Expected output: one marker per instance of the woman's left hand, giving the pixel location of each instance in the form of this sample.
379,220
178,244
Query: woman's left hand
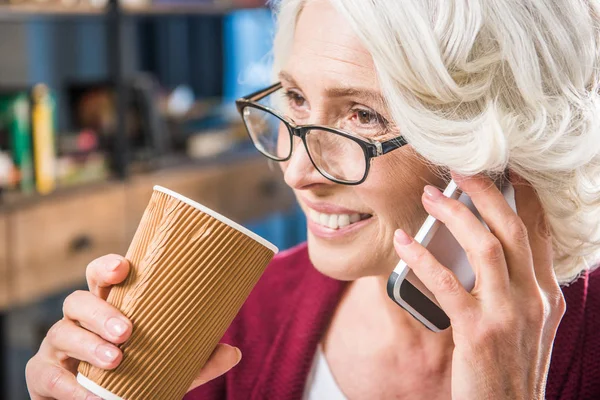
504,329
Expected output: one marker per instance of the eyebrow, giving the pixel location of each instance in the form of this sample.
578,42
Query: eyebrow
338,92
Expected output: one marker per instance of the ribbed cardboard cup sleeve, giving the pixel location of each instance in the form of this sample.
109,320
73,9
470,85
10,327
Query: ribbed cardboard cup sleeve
191,271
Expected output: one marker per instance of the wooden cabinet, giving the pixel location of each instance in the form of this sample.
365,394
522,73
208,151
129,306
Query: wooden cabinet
45,245
53,241
4,277
199,184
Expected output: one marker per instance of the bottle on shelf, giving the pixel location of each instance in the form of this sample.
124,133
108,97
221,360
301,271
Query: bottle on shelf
15,124
44,152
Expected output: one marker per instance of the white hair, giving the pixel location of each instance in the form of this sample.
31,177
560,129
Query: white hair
484,85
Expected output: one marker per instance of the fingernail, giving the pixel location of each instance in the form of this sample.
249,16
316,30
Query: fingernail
116,326
402,238
107,353
113,265
433,193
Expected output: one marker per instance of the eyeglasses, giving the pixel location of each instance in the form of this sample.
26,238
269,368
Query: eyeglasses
340,156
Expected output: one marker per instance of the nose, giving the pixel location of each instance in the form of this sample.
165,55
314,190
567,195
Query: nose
299,172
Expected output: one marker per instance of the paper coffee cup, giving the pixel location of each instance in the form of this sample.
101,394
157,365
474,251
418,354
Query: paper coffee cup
191,271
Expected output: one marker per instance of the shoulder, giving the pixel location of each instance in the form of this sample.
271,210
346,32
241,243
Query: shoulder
279,283
592,315
575,366
590,379
283,271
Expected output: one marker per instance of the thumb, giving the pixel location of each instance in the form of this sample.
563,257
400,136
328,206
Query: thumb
222,359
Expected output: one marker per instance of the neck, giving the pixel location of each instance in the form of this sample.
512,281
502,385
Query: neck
393,319
383,328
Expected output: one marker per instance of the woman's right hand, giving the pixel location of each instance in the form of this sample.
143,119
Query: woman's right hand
89,331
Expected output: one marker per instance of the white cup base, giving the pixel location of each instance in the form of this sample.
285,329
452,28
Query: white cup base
94,388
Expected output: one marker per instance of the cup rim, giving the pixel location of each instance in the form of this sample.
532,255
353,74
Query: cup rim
95,388
219,217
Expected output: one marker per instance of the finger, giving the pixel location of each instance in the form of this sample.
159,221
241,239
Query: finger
483,249
49,381
97,316
223,358
532,214
504,223
445,286
66,340
104,272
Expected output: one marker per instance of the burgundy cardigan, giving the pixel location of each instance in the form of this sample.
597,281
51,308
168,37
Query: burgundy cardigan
281,323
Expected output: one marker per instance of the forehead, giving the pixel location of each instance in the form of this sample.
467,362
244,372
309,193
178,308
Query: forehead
326,52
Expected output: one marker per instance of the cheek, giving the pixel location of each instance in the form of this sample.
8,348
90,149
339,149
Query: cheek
283,142
394,189
283,166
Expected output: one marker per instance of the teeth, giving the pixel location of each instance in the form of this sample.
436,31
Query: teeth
344,220
314,216
333,221
324,219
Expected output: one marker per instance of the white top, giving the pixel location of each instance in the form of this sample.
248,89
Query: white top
218,216
321,384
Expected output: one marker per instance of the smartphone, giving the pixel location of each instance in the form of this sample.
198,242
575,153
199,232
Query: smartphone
406,290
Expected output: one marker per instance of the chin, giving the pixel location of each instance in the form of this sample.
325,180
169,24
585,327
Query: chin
348,261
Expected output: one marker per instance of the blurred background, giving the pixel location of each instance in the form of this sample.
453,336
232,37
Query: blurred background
99,101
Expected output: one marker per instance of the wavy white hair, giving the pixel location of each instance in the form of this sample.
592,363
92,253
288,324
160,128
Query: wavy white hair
485,85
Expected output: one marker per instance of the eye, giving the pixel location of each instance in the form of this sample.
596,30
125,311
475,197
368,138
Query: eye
295,99
367,117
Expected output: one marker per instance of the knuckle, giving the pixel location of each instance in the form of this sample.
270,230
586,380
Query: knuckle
94,269
560,304
30,370
457,209
93,266
517,230
54,378
446,281
543,228
97,313
491,249
557,306
419,255
72,300
56,331
535,312
101,261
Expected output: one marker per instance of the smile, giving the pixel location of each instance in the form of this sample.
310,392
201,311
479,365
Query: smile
335,221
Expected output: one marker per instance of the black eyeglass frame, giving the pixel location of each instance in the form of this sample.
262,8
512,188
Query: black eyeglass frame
371,148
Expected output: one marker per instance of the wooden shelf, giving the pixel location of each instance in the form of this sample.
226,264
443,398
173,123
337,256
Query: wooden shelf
20,11
177,9
16,11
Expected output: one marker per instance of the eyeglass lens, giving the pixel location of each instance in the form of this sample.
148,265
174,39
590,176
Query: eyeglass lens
334,155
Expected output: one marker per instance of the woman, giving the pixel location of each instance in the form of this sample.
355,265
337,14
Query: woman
473,87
